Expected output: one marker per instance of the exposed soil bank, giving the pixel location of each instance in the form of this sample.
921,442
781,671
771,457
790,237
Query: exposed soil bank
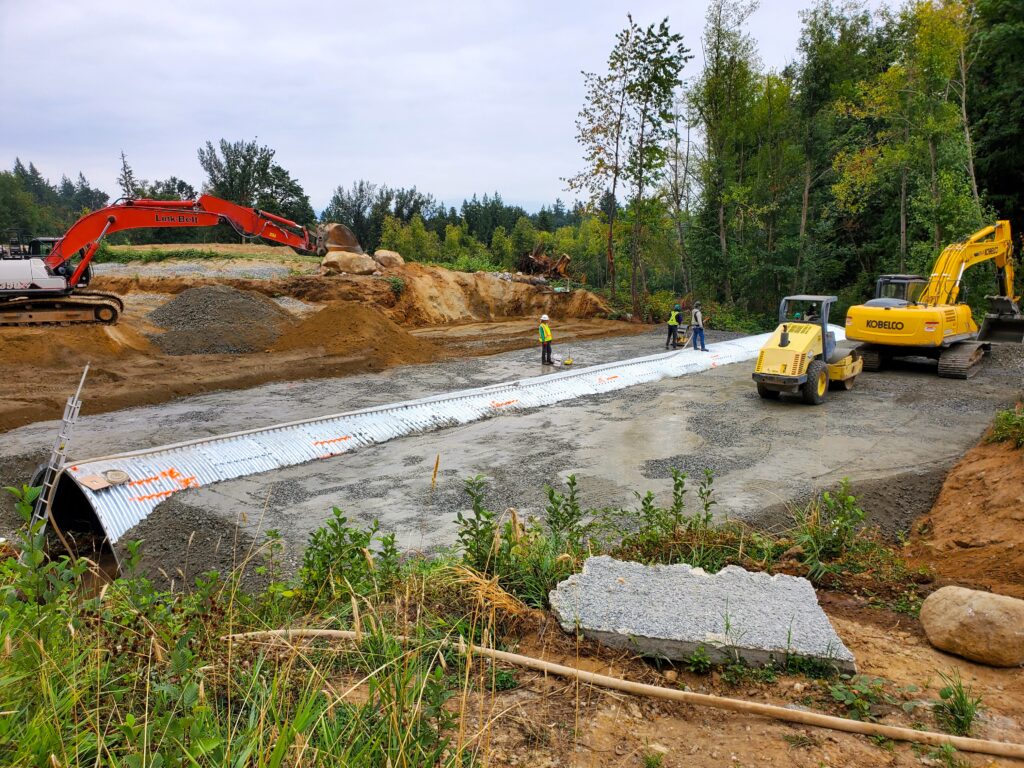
974,534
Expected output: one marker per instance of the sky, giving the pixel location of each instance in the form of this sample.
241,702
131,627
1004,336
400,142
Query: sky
454,98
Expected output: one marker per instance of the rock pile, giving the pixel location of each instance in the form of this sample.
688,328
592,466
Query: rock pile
218,319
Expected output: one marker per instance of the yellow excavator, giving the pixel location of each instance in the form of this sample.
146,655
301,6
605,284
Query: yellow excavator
913,316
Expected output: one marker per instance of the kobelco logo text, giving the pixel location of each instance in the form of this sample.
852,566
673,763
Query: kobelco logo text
888,325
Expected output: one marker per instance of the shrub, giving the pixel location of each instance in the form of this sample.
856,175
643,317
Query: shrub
1009,427
826,528
341,561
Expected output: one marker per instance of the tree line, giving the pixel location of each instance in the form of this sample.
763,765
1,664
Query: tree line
892,133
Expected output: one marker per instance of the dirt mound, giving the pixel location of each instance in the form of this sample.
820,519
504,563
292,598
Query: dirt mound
436,296
70,346
218,319
345,328
974,535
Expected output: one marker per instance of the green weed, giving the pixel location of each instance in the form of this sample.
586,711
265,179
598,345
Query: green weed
1009,427
956,708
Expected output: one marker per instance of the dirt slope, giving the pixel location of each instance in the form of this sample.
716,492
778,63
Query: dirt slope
974,535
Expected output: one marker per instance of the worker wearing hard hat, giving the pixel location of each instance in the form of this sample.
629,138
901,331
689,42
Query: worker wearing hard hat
673,328
545,341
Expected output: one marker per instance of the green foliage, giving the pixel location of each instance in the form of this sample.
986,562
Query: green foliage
858,694
699,662
341,561
653,759
827,528
530,559
1008,427
947,756
956,708
397,285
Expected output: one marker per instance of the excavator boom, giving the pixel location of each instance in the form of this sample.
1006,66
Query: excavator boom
48,290
932,323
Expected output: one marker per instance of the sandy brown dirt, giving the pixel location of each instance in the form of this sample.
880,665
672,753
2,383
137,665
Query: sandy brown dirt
974,535
550,721
366,329
346,328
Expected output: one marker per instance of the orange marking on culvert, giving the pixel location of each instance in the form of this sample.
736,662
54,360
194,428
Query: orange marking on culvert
606,379
496,404
333,440
183,483
170,474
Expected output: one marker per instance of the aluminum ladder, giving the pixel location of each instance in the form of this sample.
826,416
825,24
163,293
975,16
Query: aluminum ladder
58,456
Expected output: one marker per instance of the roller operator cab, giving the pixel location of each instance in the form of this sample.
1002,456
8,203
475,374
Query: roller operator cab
802,356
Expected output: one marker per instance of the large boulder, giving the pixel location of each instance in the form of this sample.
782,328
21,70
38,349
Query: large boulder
675,611
388,259
351,263
979,626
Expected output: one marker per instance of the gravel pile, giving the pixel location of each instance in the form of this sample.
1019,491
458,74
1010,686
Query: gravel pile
217,319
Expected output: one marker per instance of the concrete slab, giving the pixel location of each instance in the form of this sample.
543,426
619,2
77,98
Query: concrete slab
671,611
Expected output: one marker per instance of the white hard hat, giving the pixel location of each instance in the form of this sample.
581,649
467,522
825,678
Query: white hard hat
543,318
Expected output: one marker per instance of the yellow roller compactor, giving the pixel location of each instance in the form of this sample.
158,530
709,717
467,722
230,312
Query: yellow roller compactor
913,316
802,356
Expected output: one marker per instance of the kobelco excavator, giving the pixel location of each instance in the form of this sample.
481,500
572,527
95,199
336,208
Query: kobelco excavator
913,316
38,288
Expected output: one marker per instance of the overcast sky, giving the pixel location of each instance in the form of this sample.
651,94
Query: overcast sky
453,97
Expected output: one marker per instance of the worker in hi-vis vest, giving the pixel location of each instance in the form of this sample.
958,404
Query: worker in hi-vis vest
545,341
673,328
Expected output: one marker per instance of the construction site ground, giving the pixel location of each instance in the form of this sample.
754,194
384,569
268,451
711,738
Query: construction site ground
897,437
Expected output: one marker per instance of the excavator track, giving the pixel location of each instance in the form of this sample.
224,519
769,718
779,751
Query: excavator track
961,361
872,357
81,308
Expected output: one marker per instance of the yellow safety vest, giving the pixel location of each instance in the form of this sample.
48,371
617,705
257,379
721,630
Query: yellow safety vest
673,319
545,332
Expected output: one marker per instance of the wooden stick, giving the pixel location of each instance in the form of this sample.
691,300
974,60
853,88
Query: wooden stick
896,733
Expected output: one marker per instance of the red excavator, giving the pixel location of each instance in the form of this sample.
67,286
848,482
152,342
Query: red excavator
49,289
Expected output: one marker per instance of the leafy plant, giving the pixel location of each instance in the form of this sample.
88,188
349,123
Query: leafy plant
956,708
342,560
699,662
1009,427
858,694
826,528
476,531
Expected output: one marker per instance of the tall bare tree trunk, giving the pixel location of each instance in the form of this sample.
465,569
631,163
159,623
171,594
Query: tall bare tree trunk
903,220
803,224
723,244
967,131
936,195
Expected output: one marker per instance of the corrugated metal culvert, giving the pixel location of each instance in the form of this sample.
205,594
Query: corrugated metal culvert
112,494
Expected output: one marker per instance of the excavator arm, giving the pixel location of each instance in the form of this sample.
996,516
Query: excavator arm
207,211
992,243
50,290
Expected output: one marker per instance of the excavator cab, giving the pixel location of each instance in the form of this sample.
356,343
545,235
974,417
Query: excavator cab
897,290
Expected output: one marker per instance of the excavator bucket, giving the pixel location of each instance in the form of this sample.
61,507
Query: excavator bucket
1004,323
336,237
